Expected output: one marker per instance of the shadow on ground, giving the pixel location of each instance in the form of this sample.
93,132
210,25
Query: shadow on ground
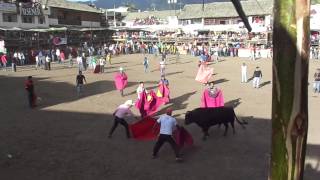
265,83
233,103
174,73
219,81
71,145
65,92
177,103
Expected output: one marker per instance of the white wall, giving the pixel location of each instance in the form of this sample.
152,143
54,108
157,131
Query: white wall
315,17
90,24
53,22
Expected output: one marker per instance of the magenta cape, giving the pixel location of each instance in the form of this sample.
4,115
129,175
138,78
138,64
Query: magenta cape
207,101
148,104
204,73
163,93
120,80
148,129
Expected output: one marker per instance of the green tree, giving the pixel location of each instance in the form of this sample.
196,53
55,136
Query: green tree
315,1
290,88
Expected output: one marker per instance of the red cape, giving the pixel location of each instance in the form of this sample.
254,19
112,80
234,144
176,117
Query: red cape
148,129
182,137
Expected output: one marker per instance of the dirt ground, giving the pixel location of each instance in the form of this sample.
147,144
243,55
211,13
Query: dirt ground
65,137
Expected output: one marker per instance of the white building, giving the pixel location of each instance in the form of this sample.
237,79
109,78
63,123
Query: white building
152,20
222,16
315,17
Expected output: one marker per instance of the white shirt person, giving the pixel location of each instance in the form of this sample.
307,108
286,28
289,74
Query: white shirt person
167,125
244,73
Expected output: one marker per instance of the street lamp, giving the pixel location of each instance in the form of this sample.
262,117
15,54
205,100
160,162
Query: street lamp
174,2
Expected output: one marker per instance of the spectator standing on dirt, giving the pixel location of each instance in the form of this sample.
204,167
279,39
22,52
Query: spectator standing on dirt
317,81
4,61
101,62
30,92
80,81
243,73
162,67
48,63
146,64
257,75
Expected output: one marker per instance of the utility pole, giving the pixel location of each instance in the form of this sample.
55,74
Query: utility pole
202,5
173,2
114,15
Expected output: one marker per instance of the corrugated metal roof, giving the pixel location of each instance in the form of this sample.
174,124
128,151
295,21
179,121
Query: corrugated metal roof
70,5
146,14
226,9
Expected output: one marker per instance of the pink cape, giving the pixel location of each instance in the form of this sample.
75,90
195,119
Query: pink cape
163,93
204,73
148,129
120,80
148,104
207,101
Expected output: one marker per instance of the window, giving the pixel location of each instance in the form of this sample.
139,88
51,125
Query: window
41,19
196,21
209,22
223,22
27,19
9,17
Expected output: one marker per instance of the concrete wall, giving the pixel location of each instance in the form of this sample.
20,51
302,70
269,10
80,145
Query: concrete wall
73,14
90,24
19,23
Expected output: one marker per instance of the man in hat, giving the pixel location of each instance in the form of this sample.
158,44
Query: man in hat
257,75
119,114
167,125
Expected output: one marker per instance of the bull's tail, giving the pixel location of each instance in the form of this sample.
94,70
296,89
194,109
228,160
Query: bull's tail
242,122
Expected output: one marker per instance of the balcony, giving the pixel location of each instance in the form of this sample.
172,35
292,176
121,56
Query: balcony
69,22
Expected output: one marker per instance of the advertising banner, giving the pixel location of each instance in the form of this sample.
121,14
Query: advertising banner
59,41
8,7
31,9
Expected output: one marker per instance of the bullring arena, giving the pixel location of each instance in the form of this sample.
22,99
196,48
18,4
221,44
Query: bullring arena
65,136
